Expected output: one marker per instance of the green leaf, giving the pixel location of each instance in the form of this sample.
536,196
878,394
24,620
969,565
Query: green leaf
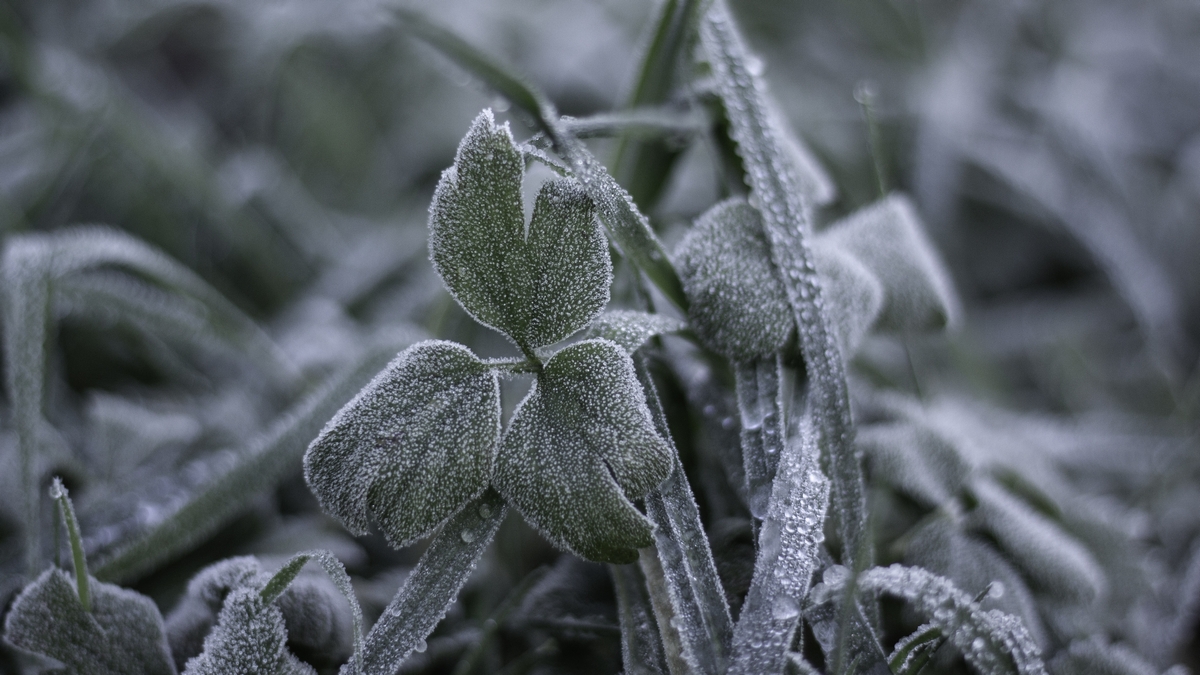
737,302
630,329
537,285
579,448
889,239
249,637
412,447
121,635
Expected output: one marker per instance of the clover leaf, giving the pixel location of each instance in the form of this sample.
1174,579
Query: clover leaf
413,447
579,448
536,284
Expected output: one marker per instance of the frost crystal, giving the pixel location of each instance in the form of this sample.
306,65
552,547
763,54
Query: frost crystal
536,284
630,329
579,447
413,446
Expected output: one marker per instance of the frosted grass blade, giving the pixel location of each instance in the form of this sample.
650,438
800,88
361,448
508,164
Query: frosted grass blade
641,648
697,598
762,387
272,457
431,587
789,544
649,123
775,192
337,574
26,297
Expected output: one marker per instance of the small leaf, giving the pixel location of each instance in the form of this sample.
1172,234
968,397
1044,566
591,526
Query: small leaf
854,296
630,329
121,635
915,460
579,447
537,285
737,302
889,240
413,446
249,638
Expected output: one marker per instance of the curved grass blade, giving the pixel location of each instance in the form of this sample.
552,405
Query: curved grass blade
628,228
701,613
276,454
431,587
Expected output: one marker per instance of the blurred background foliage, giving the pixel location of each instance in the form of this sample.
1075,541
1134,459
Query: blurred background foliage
286,151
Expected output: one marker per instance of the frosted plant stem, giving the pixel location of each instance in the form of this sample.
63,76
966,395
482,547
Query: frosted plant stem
432,586
701,615
789,545
26,296
641,647
664,612
759,395
775,192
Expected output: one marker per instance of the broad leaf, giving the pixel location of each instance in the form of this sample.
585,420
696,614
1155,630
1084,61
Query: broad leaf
888,238
579,448
854,295
250,637
121,635
737,302
412,447
537,285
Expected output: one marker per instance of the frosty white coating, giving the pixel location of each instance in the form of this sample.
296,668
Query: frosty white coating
856,295
121,635
536,284
249,638
578,448
412,447
630,329
737,302
889,239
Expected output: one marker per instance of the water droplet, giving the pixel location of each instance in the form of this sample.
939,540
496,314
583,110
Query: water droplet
485,511
727,423
468,536
977,644
996,590
420,646
500,104
785,608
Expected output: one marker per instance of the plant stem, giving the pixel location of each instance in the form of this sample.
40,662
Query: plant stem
58,492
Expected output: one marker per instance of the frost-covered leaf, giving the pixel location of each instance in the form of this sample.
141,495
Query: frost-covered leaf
915,460
121,635
249,637
737,302
1053,559
991,641
890,241
537,284
630,329
855,295
412,447
579,448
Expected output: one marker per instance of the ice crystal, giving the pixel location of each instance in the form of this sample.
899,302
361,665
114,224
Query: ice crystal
579,448
391,451
538,283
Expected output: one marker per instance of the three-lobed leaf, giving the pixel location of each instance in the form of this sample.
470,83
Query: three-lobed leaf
413,446
579,448
536,284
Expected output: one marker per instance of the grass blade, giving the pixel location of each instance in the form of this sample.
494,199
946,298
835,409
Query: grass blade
697,598
431,587
641,647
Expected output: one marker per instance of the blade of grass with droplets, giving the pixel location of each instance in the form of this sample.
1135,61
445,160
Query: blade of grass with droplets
789,544
701,614
26,297
643,165
760,397
648,123
270,459
432,586
641,648
628,228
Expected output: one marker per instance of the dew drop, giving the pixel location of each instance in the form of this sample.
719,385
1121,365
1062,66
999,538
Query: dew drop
420,646
468,536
